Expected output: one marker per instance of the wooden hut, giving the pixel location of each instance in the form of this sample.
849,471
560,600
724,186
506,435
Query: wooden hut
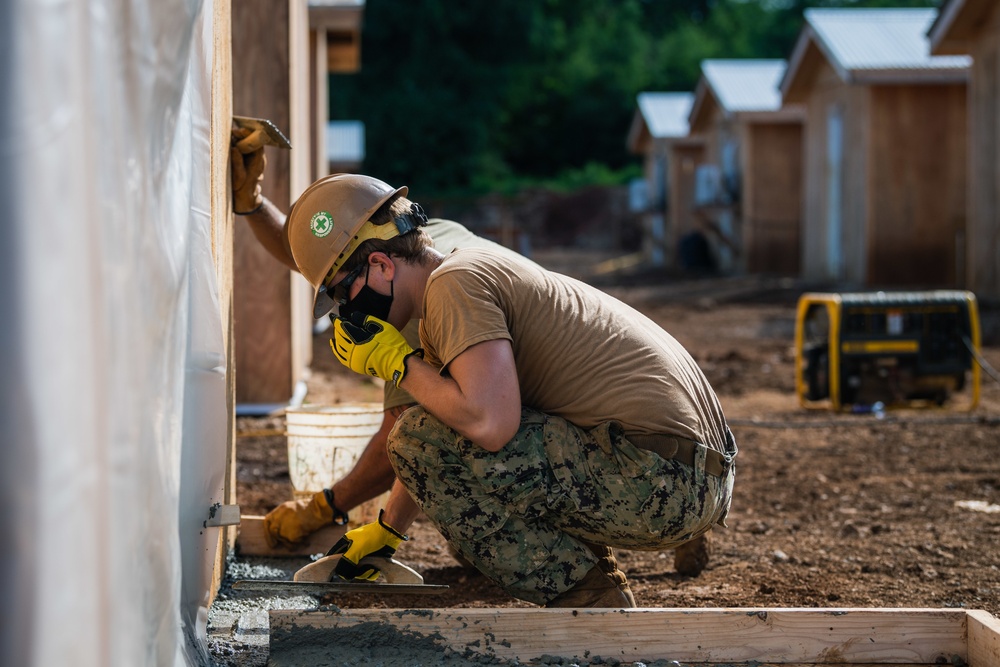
749,194
659,132
885,148
282,53
973,27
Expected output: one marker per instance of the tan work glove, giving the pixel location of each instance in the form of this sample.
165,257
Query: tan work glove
247,173
291,522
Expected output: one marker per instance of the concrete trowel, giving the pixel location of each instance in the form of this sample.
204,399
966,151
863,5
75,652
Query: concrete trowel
262,133
319,577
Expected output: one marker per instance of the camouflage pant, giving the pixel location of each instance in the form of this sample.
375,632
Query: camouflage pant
522,515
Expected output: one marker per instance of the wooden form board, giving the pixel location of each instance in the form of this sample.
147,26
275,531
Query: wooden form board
691,636
984,639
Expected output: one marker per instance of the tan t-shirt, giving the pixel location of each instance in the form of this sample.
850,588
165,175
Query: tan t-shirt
447,236
580,354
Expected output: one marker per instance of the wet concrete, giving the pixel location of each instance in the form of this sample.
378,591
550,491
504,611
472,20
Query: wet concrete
378,644
369,644
239,633
238,627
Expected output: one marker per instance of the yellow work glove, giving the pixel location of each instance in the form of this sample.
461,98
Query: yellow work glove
293,521
369,346
373,539
247,172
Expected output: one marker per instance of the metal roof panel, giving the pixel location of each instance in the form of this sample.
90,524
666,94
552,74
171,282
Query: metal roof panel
745,85
880,39
666,114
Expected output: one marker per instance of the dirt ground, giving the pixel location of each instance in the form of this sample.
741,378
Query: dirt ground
830,510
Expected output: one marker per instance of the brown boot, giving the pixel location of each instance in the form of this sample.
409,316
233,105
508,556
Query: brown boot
595,590
609,566
691,557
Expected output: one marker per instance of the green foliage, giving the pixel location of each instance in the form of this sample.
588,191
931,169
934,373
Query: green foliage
475,96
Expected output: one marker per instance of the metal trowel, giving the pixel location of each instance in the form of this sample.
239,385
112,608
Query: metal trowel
391,570
318,578
262,133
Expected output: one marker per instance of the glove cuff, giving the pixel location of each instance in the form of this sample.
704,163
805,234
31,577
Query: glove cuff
251,212
339,516
392,531
419,352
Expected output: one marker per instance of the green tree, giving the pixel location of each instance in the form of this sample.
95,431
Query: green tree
460,96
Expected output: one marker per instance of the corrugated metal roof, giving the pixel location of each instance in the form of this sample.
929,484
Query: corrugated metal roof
745,85
880,39
345,141
666,114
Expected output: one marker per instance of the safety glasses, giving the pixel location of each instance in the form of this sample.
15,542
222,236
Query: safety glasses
341,289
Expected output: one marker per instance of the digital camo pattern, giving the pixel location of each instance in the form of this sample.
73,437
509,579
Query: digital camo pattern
521,515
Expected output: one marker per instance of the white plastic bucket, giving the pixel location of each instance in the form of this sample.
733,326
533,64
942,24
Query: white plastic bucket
325,441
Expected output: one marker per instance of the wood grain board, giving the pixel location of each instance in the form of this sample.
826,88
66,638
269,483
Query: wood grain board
984,639
772,636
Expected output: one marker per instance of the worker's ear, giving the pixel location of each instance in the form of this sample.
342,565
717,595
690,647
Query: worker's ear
382,262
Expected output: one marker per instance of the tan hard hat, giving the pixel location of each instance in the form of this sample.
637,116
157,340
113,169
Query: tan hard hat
328,222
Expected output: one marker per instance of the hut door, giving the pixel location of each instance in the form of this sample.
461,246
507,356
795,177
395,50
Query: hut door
834,191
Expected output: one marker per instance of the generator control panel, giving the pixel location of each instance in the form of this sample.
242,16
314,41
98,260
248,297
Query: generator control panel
859,349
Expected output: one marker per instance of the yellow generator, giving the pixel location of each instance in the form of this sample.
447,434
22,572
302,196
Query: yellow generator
854,351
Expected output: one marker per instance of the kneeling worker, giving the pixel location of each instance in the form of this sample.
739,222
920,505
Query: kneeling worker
293,521
554,421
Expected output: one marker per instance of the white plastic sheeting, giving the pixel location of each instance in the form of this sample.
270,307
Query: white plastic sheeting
111,348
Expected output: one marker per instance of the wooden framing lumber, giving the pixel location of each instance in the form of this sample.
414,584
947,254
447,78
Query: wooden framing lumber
779,636
222,244
251,542
984,639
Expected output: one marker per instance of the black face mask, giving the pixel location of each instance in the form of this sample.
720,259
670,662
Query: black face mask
368,302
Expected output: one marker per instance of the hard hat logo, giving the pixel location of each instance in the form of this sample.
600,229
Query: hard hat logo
321,224
328,222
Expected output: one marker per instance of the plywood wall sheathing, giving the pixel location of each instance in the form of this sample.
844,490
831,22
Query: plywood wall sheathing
772,197
271,80
984,143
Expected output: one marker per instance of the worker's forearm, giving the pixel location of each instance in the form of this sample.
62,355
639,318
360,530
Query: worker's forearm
443,398
372,474
268,225
400,510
